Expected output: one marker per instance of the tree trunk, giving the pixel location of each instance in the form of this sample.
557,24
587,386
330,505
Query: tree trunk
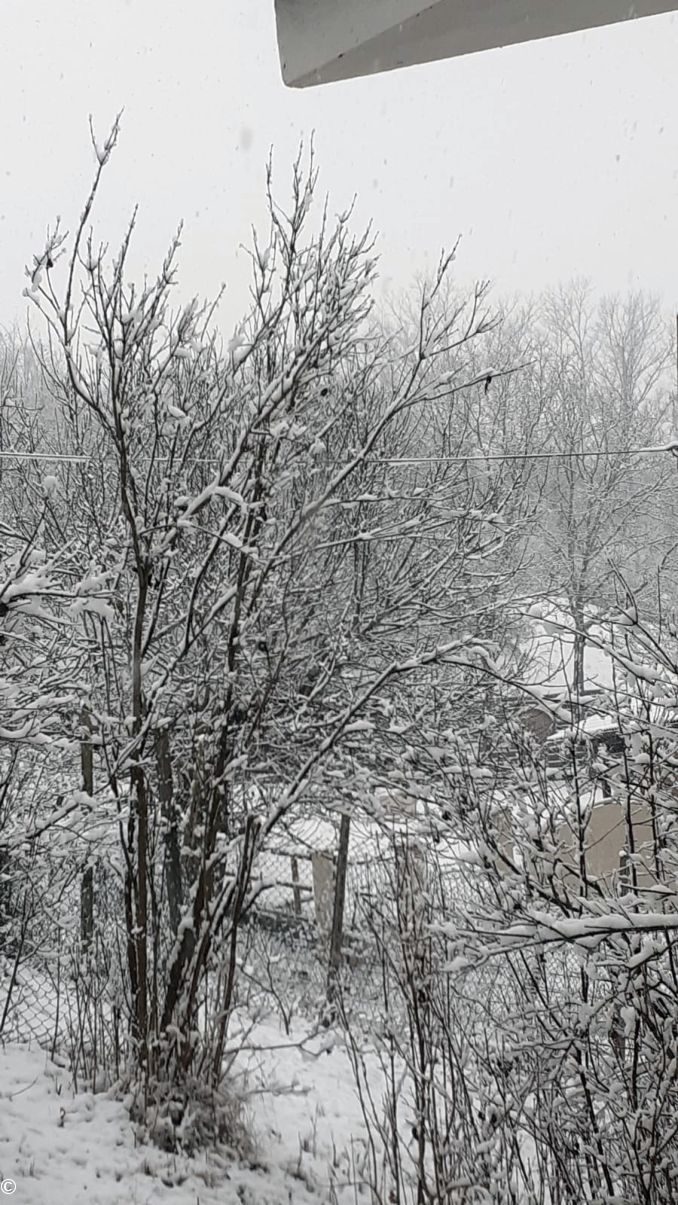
168,808
87,883
138,824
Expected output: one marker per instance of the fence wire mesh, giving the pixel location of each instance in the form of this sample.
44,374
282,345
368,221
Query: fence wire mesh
54,995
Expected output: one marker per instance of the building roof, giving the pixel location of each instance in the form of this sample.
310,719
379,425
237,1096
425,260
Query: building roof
321,41
549,647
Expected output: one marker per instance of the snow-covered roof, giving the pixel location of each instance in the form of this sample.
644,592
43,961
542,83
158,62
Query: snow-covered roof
549,648
368,839
599,722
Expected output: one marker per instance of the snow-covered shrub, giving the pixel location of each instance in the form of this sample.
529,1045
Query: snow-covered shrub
197,1119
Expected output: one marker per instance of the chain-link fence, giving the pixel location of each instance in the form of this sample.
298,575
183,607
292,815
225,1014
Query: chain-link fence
292,940
55,995
53,992
288,946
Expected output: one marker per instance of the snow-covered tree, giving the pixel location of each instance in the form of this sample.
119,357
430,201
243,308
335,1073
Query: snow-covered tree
260,580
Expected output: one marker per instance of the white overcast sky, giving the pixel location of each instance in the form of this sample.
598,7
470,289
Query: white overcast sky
551,160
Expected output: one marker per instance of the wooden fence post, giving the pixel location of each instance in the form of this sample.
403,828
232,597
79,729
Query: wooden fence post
296,893
337,934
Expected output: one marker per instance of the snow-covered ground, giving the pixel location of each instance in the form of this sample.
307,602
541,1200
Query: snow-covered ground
61,1148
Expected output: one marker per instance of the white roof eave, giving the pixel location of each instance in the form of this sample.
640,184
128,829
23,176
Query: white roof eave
324,41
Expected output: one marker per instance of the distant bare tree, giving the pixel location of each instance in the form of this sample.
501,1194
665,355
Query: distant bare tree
602,389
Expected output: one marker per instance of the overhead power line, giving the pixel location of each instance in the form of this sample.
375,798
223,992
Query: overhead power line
47,456
661,450
480,457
